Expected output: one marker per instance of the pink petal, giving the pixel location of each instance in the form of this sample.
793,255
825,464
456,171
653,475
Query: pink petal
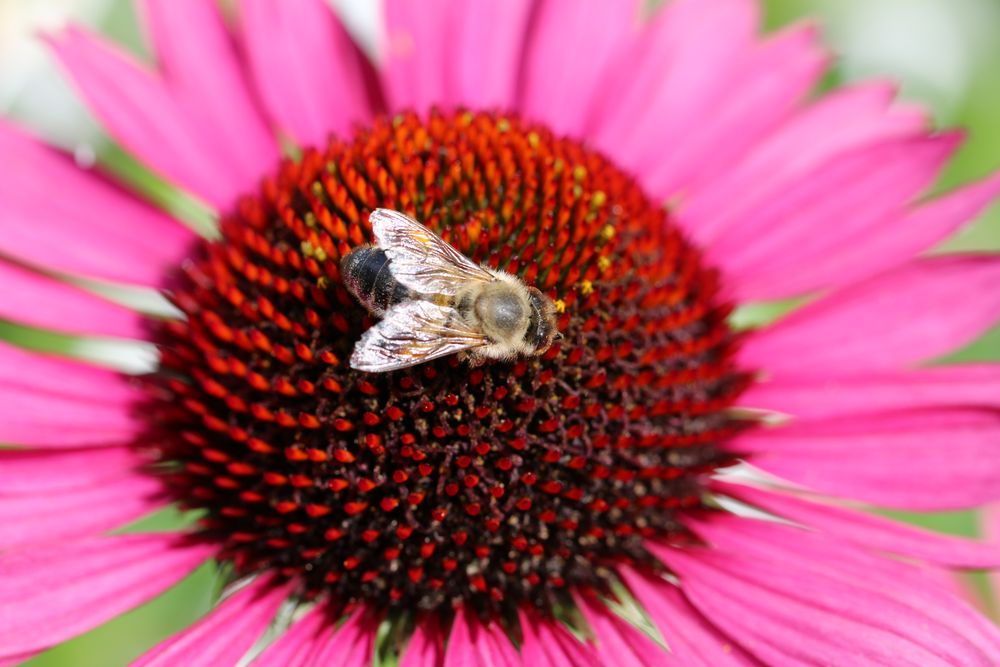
472,643
922,460
49,594
34,415
28,472
417,44
298,646
143,113
619,642
817,398
673,78
560,83
39,301
484,53
55,516
890,243
919,311
839,123
771,79
201,66
36,372
868,530
13,660
103,231
691,637
353,644
547,643
795,597
830,209
426,646
226,634
308,72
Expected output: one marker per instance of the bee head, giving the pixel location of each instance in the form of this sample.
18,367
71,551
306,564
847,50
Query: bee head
542,324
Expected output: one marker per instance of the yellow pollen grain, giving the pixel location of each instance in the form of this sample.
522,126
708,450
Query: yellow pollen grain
503,125
557,165
307,248
608,232
310,220
579,172
560,305
586,287
598,199
603,263
533,139
320,255
322,282
466,119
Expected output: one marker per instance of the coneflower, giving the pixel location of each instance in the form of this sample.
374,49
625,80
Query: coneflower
592,505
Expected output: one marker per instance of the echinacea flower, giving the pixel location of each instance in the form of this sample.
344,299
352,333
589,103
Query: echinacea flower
650,174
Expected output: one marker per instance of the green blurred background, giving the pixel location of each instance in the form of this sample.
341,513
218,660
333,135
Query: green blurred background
946,54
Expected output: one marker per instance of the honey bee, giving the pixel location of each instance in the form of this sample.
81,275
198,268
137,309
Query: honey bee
433,301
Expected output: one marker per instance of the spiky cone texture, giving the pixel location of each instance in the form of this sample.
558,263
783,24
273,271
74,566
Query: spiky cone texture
485,512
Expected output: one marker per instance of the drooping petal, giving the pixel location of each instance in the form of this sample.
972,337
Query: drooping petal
36,300
668,83
353,644
832,208
565,55
691,637
40,420
143,113
92,228
53,471
890,243
36,372
57,516
818,397
796,597
619,642
919,311
225,635
837,124
307,71
199,62
868,530
50,402
426,646
474,643
49,594
298,646
921,460
546,643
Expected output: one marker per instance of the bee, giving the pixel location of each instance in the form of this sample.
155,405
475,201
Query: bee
434,301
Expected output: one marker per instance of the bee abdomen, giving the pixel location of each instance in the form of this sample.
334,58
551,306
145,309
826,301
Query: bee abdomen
367,276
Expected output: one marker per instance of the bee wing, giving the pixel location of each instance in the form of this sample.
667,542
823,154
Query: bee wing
421,260
411,333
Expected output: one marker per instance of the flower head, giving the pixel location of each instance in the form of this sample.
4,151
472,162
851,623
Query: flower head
510,511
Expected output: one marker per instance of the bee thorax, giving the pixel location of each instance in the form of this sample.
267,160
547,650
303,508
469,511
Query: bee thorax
503,314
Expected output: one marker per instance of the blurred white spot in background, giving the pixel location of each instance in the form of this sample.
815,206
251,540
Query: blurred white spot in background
931,45
32,90
363,20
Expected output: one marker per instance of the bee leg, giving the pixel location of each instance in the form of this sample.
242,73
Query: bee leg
472,359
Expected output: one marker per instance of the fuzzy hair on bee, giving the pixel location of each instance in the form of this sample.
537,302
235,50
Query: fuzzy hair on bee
433,301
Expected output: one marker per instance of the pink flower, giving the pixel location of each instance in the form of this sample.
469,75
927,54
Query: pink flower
485,512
